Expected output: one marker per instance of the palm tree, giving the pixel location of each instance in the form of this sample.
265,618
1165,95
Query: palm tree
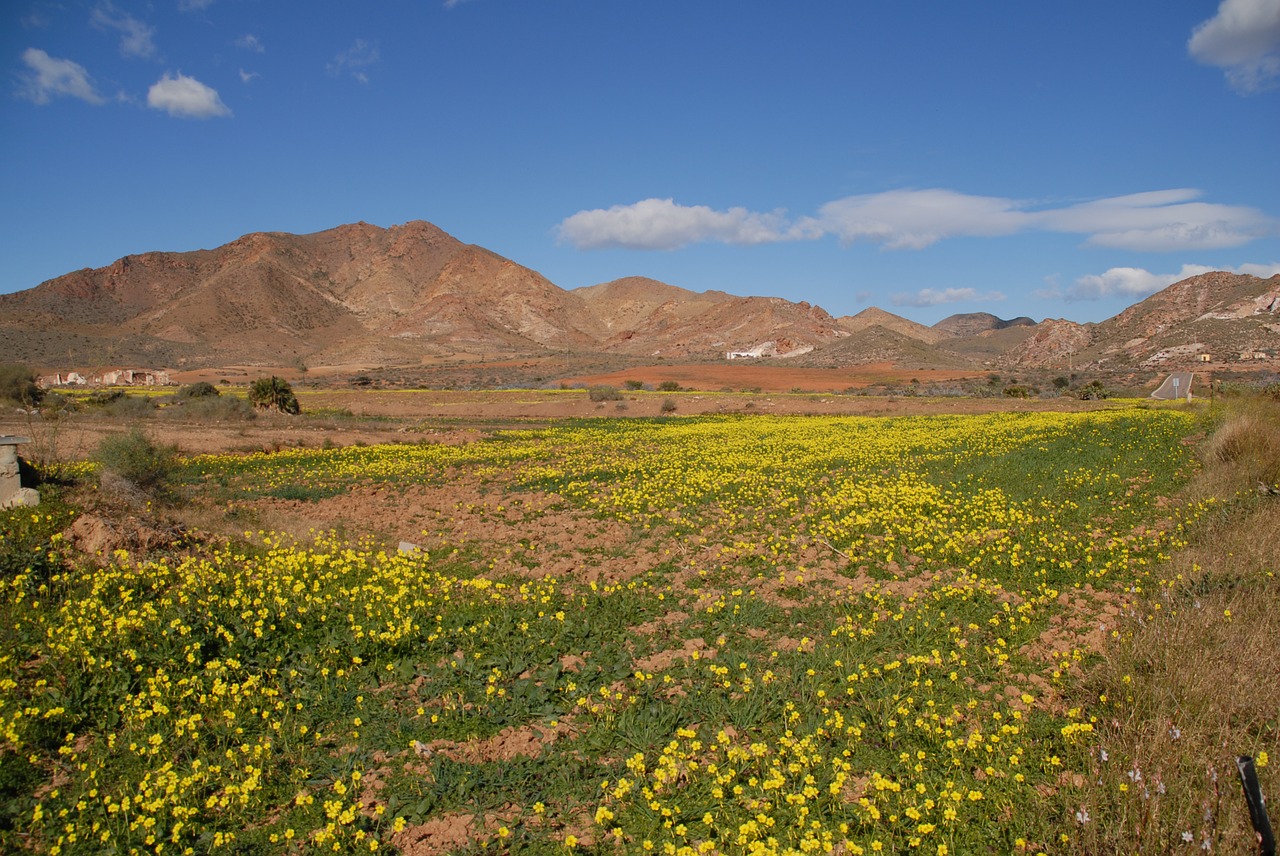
274,393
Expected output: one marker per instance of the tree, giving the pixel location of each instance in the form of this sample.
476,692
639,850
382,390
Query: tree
199,389
18,383
274,393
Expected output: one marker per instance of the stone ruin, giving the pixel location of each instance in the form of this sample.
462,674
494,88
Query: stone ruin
12,493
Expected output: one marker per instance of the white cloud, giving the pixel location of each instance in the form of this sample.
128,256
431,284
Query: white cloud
194,5
1244,39
186,98
355,59
1261,271
1159,221
248,76
250,42
661,224
914,219
1131,282
934,297
50,77
136,38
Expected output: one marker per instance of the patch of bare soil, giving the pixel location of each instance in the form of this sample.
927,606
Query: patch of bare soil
664,660
508,744
1086,622
101,536
438,835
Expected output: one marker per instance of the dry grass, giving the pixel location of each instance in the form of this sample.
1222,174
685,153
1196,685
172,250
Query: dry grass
1193,680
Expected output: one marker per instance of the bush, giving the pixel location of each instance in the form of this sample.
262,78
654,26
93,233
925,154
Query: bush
223,407
634,384
668,386
668,405
199,389
131,406
604,393
1248,439
18,383
1093,391
274,393
138,459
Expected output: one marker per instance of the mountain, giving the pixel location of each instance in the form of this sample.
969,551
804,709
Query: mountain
645,317
976,323
355,292
1228,317
361,296
877,344
873,317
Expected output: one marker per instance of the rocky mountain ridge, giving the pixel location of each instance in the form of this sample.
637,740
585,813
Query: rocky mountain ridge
360,295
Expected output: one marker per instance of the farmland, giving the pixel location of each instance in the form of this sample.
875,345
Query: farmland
711,634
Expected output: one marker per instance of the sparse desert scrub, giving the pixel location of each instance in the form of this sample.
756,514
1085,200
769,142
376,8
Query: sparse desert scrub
1188,684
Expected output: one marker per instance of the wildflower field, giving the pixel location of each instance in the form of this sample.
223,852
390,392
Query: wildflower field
756,635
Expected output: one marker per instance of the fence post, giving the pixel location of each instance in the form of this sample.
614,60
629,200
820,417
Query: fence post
1257,806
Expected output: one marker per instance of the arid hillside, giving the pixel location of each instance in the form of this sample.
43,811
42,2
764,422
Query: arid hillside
360,297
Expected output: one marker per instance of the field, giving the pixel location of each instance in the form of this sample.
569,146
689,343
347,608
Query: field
734,633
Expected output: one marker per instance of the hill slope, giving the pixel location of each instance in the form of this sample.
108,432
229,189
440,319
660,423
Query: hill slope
361,295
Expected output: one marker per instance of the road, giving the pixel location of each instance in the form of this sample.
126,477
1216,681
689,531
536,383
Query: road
1176,385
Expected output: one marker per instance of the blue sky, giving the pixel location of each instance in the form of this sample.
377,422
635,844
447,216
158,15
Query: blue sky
1041,159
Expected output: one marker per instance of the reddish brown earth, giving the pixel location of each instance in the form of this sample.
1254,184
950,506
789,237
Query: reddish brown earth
751,375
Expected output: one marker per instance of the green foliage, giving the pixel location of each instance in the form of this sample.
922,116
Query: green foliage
1016,391
217,408
668,386
274,393
635,384
1093,391
18,383
27,538
200,389
604,393
103,397
138,459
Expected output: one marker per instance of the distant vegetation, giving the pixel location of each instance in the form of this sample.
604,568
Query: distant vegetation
18,385
274,393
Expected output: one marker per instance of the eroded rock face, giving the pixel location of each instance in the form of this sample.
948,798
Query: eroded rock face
1053,342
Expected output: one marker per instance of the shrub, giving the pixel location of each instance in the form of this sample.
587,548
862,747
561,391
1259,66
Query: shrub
199,389
1016,391
668,405
1093,391
604,393
274,393
634,384
103,397
1249,440
668,386
222,407
138,459
18,383
130,405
